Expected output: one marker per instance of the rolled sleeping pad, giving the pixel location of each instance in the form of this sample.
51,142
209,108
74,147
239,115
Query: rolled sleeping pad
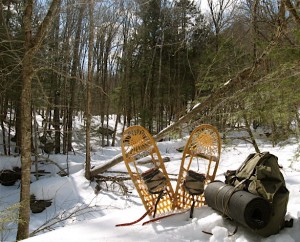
244,207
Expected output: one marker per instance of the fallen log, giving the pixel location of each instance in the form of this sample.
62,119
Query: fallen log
148,160
112,162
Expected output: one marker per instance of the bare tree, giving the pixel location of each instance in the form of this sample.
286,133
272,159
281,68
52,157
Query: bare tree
75,74
221,12
88,90
32,43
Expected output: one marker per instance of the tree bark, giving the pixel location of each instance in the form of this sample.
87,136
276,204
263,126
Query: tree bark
27,74
74,74
88,91
56,122
56,82
31,46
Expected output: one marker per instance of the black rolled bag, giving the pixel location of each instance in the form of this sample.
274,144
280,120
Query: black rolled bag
250,210
254,195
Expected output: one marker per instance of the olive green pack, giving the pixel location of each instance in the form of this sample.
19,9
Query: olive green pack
260,174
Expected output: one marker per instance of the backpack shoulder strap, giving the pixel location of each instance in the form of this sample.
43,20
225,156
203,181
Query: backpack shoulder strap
247,168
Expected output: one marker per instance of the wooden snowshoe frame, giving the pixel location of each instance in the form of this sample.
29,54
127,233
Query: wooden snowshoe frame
136,144
203,144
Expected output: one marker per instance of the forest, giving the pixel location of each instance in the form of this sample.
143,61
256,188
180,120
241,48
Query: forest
162,64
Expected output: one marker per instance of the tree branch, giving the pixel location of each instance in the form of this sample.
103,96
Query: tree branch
43,27
292,10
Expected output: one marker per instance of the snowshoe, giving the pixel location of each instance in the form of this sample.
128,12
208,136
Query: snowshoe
153,185
202,149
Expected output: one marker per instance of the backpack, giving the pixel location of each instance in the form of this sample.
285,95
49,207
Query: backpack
260,174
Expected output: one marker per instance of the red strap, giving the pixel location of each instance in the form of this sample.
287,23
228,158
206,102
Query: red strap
162,217
136,221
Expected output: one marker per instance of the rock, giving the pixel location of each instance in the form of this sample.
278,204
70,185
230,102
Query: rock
9,177
38,206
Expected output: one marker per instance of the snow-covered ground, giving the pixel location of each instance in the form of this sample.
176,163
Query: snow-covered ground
78,213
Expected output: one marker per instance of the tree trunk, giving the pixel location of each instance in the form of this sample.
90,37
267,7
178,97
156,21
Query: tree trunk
57,92
27,74
248,128
3,114
56,122
74,73
18,126
31,46
88,91
254,28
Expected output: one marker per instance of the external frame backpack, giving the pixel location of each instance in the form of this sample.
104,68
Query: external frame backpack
260,174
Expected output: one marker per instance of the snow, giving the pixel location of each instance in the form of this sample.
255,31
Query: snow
78,213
